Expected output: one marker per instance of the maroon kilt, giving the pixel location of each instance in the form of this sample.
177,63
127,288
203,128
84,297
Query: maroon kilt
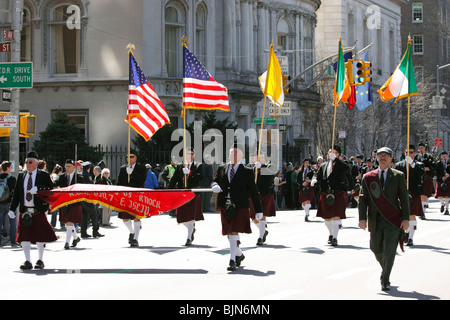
428,186
311,196
440,192
416,206
40,231
337,210
240,224
268,205
191,210
74,214
125,216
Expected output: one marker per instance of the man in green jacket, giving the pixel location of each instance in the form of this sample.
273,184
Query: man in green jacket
384,204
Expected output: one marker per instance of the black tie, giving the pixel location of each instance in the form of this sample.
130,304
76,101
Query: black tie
382,178
29,186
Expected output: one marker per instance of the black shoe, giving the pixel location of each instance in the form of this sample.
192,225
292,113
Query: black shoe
66,246
410,242
239,259
26,266
134,243
188,243
330,239
74,242
260,242
39,264
131,238
446,213
85,235
442,209
98,235
334,242
385,286
232,266
423,217
306,219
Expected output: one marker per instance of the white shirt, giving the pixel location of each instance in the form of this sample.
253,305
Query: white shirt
25,187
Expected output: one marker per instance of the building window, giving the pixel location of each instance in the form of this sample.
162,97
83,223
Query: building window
200,26
25,37
174,30
418,44
80,118
417,12
65,43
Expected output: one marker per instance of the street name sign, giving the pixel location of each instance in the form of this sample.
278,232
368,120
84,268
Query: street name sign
16,75
5,47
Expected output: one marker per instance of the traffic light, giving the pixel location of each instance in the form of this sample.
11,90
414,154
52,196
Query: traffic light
367,68
286,79
349,71
27,126
360,72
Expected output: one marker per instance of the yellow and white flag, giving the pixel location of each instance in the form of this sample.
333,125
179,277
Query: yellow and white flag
271,81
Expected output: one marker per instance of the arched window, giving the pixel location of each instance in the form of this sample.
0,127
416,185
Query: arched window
174,30
25,37
200,33
65,42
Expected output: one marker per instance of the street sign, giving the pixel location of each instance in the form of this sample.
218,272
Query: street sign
266,120
438,142
8,121
6,95
5,47
438,102
8,35
284,111
16,75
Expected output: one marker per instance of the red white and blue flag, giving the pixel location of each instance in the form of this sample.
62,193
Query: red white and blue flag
145,113
200,90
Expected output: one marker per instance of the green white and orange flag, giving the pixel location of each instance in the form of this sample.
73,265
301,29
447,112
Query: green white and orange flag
342,89
402,83
271,81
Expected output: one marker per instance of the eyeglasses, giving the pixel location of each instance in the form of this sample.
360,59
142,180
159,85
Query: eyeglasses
132,156
29,162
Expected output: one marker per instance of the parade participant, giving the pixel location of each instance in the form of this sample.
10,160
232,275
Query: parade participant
33,224
442,180
90,210
332,179
235,185
132,175
190,212
415,187
306,194
72,213
8,184
265,186
384,204
428,188
356,173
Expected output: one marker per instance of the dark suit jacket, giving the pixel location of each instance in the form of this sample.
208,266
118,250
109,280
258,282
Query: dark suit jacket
415,175
43,182
193,179
338,178
241,188
394,190
137,177
62,181
440,171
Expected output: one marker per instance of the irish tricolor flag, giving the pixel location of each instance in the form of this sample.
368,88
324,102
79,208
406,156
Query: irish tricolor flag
402,83
342,88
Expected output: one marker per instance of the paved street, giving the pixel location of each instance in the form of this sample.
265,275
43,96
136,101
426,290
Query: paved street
295,263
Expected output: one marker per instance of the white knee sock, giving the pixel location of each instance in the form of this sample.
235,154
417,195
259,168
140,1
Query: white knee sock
233,246
129,225
335,227
40,246
71,231
328,224
190,227
307,207
137,229
446,203
412,228
26,246
441,200
424,206
262,228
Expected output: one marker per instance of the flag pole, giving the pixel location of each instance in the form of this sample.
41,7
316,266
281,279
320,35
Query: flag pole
130,48
183,41
264,112
407,146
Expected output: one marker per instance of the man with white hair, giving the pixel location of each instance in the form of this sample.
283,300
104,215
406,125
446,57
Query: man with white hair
33,224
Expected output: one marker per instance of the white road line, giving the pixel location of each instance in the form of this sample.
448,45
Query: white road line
281,295
347,273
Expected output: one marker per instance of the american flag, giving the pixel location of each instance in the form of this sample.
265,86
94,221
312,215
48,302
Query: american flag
200,90
145,112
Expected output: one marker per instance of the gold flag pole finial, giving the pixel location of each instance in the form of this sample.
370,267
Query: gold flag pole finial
184,41
130,47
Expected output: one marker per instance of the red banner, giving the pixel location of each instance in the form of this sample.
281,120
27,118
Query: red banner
139,202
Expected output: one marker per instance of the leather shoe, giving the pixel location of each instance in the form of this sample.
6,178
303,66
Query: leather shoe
330,239
239,259
232,266
66,246
131,238
188,243
85,235
385,286
134,243
98,235
334,242
26,266
75,242
39,264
